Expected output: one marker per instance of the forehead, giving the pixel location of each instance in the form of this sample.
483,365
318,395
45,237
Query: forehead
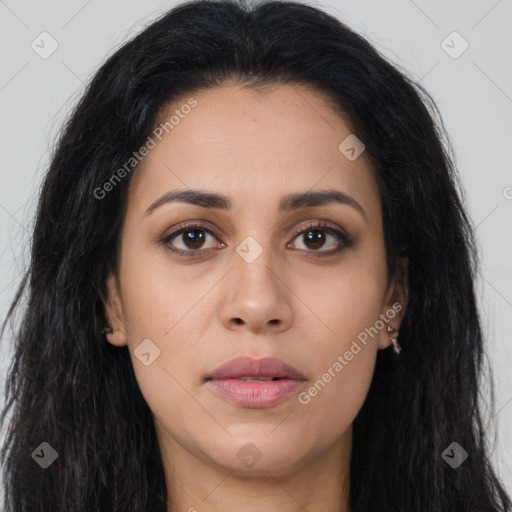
251,146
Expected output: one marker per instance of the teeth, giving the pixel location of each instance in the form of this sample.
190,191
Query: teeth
254,379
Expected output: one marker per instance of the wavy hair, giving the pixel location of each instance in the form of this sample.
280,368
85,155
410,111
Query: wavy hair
70,388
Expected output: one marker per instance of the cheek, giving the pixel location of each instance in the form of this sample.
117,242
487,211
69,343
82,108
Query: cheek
342,304
343,365
160,304
167,315
158,296
349,307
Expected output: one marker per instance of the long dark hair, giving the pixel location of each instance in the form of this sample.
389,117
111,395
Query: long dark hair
70,388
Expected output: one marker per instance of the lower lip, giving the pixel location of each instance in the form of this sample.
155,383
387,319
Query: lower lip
255,395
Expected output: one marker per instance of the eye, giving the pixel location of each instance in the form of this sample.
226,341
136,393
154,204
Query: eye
321,237
317,237
189,239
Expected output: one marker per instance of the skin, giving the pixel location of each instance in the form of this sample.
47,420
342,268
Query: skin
289,302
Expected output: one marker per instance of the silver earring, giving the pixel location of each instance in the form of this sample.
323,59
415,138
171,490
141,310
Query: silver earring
396,346
106,330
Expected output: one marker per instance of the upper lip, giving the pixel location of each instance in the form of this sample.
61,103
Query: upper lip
244,366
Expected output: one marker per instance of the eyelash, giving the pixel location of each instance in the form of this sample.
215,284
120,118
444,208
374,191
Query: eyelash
344,240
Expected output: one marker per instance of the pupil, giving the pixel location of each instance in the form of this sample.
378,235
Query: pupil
317,239
195,237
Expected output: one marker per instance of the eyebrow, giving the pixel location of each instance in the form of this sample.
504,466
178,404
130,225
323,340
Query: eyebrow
288,203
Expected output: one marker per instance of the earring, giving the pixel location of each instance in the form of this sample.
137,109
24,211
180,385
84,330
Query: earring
106,330
396,346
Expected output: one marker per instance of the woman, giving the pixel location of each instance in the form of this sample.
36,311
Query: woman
251,284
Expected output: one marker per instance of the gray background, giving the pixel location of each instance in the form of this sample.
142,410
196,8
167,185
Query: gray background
473,91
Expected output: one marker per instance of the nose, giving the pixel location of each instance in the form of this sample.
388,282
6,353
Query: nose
256,297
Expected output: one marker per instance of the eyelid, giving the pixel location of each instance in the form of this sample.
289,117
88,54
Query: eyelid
320,224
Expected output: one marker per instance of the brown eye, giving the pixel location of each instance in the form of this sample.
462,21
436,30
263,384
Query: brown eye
314,238
193,238
321,238
190,239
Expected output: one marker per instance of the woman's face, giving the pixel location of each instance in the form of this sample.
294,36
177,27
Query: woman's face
258,278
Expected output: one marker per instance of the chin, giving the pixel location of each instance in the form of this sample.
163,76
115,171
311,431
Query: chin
260,455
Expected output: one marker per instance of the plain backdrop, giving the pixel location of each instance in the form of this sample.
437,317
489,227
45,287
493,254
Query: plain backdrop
472,86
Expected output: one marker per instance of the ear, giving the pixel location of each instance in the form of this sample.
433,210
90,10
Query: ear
395,302
114,313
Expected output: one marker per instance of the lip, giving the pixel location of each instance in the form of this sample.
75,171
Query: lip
245,366
225,381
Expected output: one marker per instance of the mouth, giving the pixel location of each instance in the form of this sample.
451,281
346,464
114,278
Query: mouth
255,383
